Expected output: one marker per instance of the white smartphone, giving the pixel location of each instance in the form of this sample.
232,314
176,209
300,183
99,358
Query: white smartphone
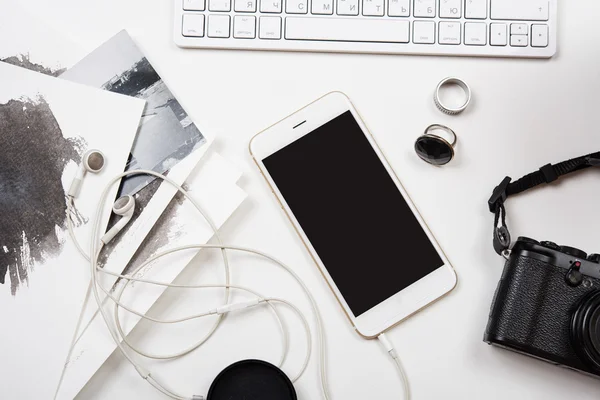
349,208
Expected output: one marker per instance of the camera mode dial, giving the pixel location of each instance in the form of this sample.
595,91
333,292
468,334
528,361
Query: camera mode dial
550,245
572,251
527,240
595,258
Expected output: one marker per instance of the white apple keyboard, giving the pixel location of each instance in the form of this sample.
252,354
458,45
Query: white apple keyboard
501,28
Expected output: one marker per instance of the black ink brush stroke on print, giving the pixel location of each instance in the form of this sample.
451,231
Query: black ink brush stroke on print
23,61
33,155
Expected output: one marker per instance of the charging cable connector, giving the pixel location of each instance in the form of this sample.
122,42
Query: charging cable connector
389,348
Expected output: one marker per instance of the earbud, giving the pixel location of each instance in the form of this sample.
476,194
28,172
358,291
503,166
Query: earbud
92,161
124,206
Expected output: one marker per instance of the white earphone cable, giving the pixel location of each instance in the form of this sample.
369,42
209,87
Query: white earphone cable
120,337
95,250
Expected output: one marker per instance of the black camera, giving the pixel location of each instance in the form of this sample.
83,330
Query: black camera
547,305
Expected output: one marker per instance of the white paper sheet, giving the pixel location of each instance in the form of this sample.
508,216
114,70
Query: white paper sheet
212,184
28,42
45,126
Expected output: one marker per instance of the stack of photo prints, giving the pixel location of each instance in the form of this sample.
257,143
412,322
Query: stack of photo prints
55,104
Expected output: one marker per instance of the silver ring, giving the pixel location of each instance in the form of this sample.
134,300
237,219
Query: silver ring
449,110
442,128
434,148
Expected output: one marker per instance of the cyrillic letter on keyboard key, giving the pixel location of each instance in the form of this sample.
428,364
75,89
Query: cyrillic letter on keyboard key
296,6
398,8
322,7
270,6
245,6
347,29
373,8
347,7
450,8
424,8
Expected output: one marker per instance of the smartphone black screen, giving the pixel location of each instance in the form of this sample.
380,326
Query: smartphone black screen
353,213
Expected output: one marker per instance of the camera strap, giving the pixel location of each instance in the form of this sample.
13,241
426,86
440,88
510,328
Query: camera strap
546,174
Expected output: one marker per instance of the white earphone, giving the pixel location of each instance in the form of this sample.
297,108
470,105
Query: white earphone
92,161
125,207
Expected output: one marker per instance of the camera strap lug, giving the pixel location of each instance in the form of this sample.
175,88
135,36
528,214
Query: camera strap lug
499,194
594,161
546,174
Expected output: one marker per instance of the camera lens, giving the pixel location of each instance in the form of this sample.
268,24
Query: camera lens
595,329
585,330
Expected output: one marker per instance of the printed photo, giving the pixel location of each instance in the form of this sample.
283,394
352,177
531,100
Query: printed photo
166,134
44,130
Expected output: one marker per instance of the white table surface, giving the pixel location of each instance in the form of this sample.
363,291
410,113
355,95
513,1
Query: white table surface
524,114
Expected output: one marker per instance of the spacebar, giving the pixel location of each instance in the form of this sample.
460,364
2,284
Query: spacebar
346,29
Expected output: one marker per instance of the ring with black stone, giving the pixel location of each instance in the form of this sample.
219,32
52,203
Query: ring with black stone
452,110
433,148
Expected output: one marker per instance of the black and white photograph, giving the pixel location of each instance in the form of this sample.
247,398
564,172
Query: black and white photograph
44,131
166,134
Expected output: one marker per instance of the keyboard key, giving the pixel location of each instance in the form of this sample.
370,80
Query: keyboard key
450,8
193,25
347,7
518,29
498,35
244,27
399,8
270,28
476,9
424,32
219,5
424,8
270,6
245,6
529,10
218,26
476,33
193,5
518,40
347,29
324,7
373,8
539,35
449,33
296,6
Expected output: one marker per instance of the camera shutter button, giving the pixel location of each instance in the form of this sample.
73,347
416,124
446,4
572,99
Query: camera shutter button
574,277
